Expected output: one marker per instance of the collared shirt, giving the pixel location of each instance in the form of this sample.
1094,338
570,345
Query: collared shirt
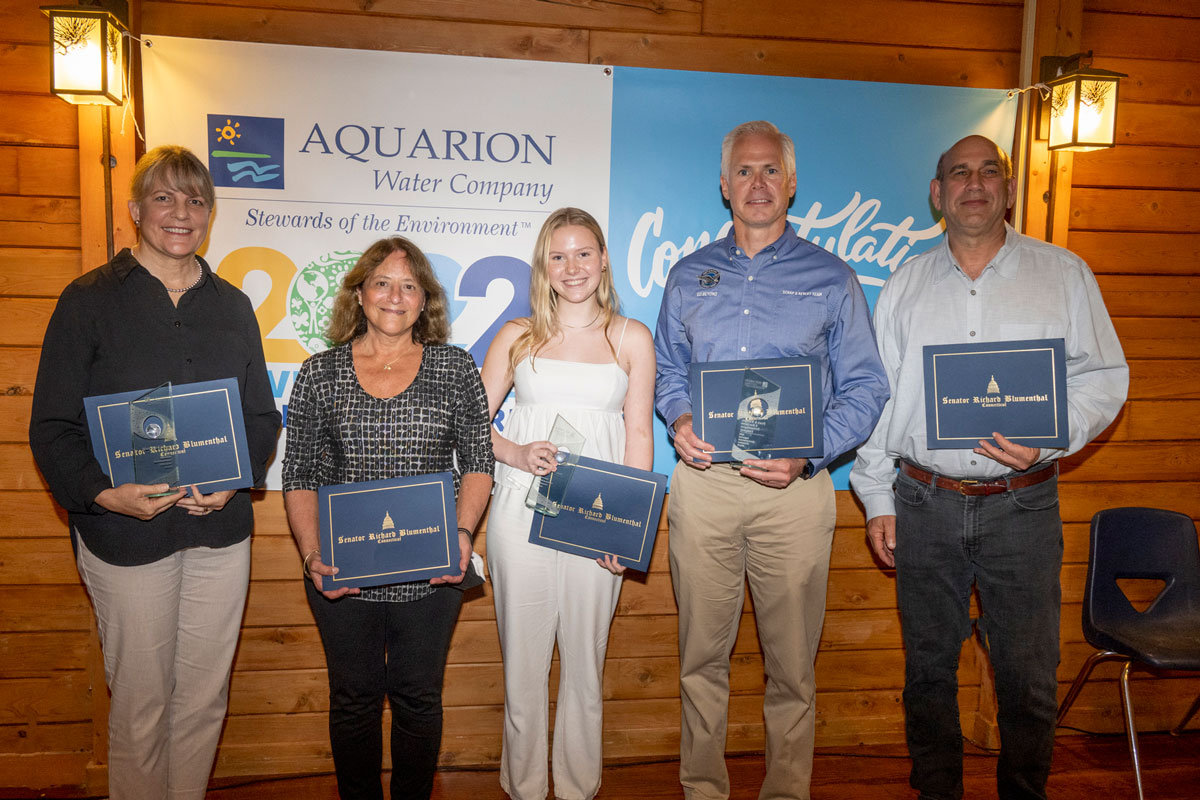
1030,290
791,299
115,329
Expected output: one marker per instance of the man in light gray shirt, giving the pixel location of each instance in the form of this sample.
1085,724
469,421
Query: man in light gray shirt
985,517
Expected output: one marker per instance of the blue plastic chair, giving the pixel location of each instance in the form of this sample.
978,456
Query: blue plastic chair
1146,543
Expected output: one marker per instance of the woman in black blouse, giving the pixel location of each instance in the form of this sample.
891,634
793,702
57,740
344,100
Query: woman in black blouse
167,573
391,399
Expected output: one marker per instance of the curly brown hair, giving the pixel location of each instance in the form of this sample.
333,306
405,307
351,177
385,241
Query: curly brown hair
348,320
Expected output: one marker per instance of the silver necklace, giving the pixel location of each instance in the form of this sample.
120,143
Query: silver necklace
194,283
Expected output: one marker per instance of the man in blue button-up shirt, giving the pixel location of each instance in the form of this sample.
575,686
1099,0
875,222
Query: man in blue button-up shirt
762,292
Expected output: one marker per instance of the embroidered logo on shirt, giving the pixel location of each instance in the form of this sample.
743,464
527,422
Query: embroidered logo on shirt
801,294
709,278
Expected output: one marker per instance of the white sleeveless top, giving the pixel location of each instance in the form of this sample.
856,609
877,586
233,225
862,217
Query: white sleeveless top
589,396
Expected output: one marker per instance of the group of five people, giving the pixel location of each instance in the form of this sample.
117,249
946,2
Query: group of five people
167,569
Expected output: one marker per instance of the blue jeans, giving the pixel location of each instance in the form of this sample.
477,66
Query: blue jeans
1009,546
397,650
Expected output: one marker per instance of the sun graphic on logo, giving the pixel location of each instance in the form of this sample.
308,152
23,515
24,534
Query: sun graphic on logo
228,133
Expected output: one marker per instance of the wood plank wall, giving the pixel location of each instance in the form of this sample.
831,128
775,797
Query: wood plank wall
1133,216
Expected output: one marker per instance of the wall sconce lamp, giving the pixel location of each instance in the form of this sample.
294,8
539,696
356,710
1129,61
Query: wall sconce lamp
1079,103
87,67
87,44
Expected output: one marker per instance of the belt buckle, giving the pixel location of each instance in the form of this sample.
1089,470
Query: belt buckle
962,486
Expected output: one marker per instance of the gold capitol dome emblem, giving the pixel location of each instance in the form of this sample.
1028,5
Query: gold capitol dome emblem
598,503
388,525
993,387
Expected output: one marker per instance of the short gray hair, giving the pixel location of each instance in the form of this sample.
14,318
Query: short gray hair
759,126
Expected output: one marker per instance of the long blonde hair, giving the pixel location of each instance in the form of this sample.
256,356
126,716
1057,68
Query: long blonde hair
543,302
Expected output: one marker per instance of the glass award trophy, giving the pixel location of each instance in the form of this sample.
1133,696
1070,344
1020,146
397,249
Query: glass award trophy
152,430
548,490
755,426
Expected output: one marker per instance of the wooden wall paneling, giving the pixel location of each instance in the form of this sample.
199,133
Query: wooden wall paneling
1150,210
42,272
679,16
23,320
1152,81
1120,461
26,67
1138,253
17,469
1149,421
1155,124
1140,168
365,32
47,171
14,417
276,723
1174,379
45,608
38,119
1148,337
1171,8
1134,296
836,60
1141,35
965,26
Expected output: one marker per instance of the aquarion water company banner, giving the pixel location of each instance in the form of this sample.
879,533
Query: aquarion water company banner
318,152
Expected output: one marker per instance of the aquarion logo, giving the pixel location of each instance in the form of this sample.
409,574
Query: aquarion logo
363,143
246,151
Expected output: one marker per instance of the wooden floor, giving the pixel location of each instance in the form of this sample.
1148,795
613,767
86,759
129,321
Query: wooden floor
1085,768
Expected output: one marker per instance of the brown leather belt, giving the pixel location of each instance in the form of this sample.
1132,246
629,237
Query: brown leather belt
980,488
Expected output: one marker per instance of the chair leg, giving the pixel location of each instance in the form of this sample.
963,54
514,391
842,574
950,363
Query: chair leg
1084,672
1178,729
1130,728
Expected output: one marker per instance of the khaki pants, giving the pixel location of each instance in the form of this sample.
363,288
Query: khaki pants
723,529
168,631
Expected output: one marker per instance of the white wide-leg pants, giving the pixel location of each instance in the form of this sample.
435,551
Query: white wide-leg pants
541,595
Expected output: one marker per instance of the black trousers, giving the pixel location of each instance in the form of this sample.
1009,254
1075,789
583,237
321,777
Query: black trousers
397,650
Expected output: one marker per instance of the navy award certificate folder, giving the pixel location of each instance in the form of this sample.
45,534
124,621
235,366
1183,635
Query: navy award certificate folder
1016,388
759,408
207,441
607,508
389,531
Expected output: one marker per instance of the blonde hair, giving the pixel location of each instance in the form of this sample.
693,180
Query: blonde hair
543,302
178,168
348,320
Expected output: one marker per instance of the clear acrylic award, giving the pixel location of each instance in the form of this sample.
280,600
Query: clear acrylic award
152,431
756,412
547,491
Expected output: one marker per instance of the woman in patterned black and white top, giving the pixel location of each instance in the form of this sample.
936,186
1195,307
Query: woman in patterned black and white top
390,400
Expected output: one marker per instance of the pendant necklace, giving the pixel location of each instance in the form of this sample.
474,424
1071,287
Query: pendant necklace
581,327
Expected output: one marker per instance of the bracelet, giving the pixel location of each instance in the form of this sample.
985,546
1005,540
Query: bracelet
469,534
307,556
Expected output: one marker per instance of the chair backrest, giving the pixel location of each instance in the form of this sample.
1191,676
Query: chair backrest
1139,543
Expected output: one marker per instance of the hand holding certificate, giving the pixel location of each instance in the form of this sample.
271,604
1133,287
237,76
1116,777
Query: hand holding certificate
390,531
606,509
1018,388
189,434
758,409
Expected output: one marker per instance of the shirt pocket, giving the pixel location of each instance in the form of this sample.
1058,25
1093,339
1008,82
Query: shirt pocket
798,323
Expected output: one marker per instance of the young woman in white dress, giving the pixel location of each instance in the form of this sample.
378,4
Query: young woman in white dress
574,356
